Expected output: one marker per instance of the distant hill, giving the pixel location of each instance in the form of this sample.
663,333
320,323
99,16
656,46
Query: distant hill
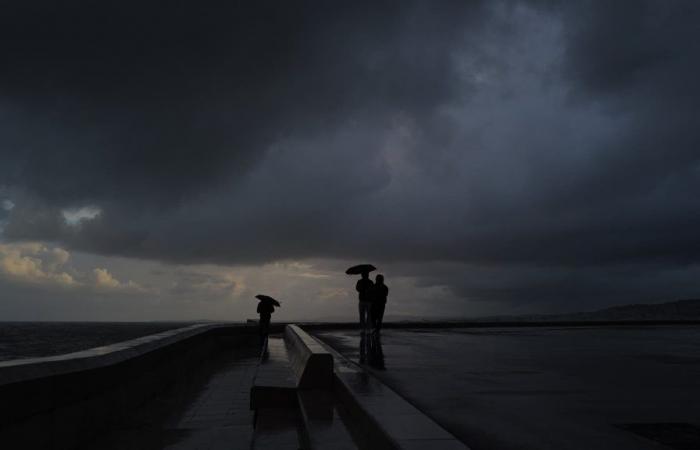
677,310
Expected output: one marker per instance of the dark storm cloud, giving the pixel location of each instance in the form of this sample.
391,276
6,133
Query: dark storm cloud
561,289
144,103
546,141
137,107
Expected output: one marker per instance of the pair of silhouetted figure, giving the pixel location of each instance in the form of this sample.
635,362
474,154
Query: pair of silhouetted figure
372,296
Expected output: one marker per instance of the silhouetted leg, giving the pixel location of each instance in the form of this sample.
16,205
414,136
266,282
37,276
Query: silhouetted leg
378,316
369,318
264,328
375,315
365,316
361,310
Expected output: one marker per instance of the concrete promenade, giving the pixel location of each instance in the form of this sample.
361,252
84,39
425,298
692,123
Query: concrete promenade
635,388
575,388
210,413
207,387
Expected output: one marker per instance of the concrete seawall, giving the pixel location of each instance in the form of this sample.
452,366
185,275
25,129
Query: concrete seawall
61,402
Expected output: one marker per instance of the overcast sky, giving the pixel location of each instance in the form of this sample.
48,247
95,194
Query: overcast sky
171,159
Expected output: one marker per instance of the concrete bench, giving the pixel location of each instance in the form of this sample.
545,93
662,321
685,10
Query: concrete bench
311,363
274,385
297,362
293,386
323,418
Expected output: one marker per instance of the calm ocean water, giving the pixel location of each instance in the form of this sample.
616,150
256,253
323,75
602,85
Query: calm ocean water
33,339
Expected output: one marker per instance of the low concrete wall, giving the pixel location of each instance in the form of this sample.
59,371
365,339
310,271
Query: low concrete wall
61,402
310,362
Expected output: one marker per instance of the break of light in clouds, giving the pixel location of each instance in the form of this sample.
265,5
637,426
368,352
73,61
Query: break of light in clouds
74,216
490,157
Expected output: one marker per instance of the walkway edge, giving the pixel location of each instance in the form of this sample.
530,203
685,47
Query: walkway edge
386,419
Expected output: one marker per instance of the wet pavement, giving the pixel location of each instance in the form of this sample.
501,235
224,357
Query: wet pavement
545,388
210,412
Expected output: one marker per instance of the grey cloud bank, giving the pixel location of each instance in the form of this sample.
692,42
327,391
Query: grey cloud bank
517,152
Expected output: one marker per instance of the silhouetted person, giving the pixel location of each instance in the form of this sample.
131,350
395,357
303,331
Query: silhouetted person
364,288
265,309
380,292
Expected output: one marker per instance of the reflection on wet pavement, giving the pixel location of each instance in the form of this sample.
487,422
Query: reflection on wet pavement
549,388
371,350
210,413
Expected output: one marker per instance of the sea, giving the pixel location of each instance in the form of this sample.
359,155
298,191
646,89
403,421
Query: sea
19,340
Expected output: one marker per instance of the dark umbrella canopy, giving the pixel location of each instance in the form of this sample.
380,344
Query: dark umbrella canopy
268,299
360,268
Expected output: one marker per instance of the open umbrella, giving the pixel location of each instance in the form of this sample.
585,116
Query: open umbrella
360,268
268,299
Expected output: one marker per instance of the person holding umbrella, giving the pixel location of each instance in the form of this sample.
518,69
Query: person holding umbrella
364,288
266,307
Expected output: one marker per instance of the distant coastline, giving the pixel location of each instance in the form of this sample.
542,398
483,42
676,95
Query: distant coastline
35,339
688,309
